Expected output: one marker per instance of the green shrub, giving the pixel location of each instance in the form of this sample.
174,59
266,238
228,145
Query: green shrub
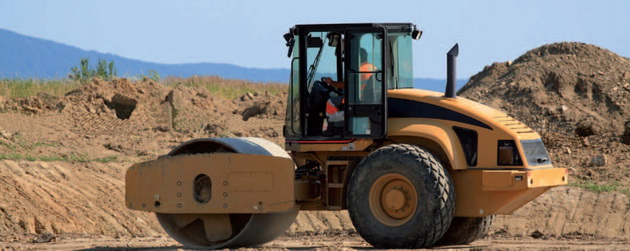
84,73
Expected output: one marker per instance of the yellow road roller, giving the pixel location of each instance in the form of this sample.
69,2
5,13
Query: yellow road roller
414,168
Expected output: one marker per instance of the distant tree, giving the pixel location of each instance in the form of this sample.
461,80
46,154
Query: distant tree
154,75
112,69
103,70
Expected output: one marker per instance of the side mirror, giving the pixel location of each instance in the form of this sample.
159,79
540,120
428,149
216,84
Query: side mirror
333,39
416,34
290,41
288,37
290,44
314,42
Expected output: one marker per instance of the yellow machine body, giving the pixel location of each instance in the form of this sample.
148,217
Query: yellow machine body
500,126
484,189
167,185
238,186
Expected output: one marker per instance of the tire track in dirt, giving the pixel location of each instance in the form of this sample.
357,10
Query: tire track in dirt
88,198
65,198
570,211
560,212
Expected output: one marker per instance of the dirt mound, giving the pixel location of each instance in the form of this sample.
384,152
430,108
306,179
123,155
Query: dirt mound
577,96
264,106
62,159
132,119
32,105
114,122
120,98
579,85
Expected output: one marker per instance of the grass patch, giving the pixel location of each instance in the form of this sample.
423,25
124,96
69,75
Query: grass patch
50,144
599,188
77,158
7,145
17,156
227,88
22,88
50,158
596,187
107,159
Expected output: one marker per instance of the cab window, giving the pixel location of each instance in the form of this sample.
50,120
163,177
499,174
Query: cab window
365,111
292,119
321,58
400,61
323,61
366,75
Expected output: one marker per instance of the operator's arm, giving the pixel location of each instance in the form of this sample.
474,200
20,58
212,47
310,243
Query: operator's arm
336,84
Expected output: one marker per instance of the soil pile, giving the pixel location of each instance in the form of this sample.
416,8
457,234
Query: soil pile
140,118
70,153
579,85
577,96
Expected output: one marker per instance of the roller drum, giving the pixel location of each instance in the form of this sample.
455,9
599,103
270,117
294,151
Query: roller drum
227,230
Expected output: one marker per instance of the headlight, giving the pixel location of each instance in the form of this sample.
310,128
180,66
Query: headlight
535,152
508,154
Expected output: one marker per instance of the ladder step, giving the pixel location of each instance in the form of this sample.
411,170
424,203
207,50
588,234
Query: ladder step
335,185
337,162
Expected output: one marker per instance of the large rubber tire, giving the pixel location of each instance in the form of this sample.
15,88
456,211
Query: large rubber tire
464,230
427,188
247,229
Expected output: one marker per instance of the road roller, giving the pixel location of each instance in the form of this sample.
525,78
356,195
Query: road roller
414,168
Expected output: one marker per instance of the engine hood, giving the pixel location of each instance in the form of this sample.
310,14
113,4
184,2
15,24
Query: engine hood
415,103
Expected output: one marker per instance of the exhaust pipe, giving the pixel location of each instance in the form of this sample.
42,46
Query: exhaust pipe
450,71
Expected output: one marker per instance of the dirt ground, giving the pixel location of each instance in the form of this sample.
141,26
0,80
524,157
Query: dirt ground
323,242
80,206
62,159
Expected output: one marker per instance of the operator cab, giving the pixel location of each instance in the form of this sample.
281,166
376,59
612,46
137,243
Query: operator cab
365,60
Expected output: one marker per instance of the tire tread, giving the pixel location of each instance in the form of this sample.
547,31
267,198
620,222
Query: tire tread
465,230
439,179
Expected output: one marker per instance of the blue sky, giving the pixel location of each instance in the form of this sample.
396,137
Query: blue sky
249,33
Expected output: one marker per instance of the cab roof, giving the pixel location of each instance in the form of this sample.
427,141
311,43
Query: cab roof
341,27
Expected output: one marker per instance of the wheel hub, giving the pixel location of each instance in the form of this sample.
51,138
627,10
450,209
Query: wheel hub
393,199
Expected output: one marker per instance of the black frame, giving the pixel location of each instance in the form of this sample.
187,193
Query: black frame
303,30
468,139
367,109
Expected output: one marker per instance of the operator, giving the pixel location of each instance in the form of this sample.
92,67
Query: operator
333,111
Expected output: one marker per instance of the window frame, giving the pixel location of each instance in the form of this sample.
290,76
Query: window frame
351,109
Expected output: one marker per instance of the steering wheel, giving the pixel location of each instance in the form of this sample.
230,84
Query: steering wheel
330,88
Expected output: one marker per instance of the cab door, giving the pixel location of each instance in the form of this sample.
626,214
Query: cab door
365,110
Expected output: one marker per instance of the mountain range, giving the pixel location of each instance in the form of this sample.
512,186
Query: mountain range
29,57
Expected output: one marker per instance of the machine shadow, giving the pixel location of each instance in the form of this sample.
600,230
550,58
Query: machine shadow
108,248
296,248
